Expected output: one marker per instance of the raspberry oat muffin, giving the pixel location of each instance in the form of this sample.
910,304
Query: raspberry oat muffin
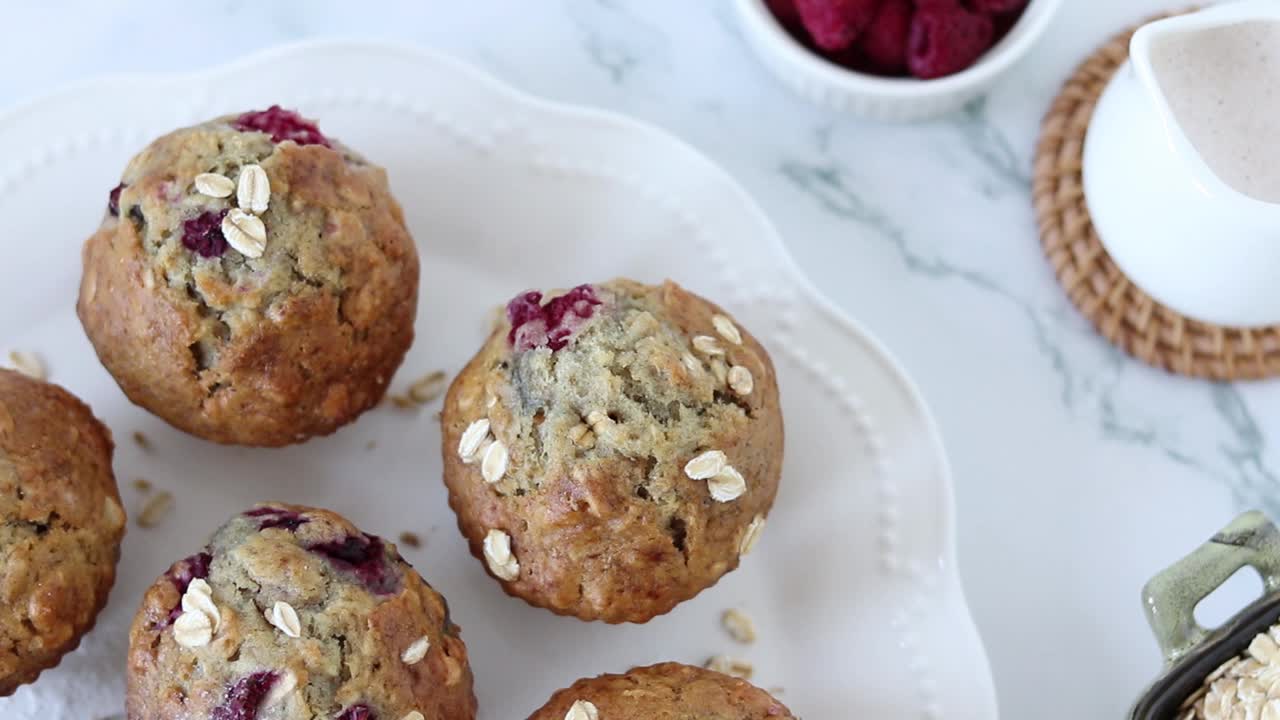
62,525
669,691
252,281
613,451
292,613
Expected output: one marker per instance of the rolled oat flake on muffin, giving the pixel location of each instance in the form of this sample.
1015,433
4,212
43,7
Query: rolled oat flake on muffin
582,710
706,465
471,440
497,551
285,619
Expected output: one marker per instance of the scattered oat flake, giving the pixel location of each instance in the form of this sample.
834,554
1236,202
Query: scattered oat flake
284,618
740,380
371,445
498,555
720,370
214,185
199,598
472,437
253,190
582,710
416,650
739,625
27,363
403,402
727,329
155,509
733,667
706,465
410,539
707,345
494,464
428,387
142,441
245,233
727,485
192,629
751,536
142,485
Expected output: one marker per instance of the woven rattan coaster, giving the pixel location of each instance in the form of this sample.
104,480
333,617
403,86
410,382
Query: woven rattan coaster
1121,312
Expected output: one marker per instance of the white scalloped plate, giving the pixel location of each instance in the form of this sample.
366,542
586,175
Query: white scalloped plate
854,586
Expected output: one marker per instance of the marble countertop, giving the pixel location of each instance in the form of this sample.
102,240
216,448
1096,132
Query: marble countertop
1060,444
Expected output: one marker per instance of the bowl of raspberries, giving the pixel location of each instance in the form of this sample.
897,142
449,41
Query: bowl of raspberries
893,59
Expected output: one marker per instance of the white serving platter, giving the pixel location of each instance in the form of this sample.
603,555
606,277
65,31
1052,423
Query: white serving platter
853,587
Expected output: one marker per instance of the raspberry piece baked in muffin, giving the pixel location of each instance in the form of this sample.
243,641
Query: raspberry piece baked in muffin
293,613
62,525
252,281
669,691
613,450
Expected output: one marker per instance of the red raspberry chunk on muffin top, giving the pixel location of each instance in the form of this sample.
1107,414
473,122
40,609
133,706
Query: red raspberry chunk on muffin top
554,324
282,125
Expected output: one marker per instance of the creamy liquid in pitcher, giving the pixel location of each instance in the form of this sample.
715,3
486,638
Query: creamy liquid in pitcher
1223,85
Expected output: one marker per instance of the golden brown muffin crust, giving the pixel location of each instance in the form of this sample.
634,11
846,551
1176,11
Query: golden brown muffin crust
669,691
602,518
62,525
252,351
357,616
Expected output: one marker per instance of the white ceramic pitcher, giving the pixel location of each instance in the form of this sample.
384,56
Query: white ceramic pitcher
1180,208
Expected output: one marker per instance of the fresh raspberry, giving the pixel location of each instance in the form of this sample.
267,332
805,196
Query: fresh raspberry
362,556
884,42
183,572
997,7
244,697
554,324
281,125
113,200
836,24
276,518
785,11
946,40
203,234
1003,24
357,712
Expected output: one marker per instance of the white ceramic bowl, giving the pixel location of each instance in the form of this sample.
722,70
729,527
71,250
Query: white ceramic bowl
884,98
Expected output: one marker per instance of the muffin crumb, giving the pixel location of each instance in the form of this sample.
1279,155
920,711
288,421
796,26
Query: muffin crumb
28,363
739,625
428,387
733,667
157,507
142,441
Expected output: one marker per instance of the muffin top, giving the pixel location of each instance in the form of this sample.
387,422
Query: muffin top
669,691
253,280
293,613
62,524
612,450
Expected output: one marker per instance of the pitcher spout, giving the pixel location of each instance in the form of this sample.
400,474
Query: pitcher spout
1213,79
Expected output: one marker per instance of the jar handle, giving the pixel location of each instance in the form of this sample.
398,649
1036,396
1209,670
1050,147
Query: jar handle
1170,598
